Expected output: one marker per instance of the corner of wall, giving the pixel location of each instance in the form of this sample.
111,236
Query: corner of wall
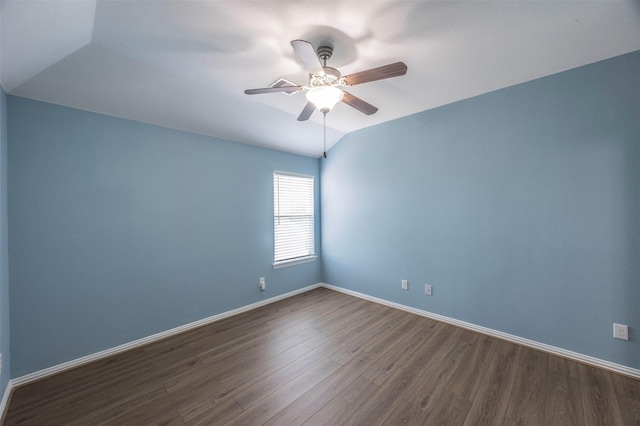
5,364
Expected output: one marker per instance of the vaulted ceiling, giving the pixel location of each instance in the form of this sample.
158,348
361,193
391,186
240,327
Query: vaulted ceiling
185,64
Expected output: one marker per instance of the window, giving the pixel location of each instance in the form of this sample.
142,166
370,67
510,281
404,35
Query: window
292,219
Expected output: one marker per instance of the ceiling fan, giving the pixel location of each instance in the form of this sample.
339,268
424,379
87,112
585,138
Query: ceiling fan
324,88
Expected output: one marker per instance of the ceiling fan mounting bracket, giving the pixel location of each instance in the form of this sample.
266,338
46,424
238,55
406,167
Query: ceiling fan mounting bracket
324,53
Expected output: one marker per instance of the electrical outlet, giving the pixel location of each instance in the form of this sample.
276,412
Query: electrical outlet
427,289
0,363
405,285
620,331
263,286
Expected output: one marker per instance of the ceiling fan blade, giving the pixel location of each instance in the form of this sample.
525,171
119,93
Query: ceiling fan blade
379,73
359,104
308,56
306,112
285,89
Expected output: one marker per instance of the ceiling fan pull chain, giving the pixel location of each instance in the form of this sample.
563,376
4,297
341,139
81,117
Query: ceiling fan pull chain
324,119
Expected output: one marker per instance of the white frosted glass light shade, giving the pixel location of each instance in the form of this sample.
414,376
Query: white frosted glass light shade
325,97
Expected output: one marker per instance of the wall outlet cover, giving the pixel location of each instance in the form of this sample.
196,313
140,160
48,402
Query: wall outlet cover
620,331
405,284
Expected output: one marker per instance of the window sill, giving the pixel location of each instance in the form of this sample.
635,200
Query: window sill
294,262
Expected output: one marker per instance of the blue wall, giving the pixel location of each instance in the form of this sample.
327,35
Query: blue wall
4,250
521,207
120,230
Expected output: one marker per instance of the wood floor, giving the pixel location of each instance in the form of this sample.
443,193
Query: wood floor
327,358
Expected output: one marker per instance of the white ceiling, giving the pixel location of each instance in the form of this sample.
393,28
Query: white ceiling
185,64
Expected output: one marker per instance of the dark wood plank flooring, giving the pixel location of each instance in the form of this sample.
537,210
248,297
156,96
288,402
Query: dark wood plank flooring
325,358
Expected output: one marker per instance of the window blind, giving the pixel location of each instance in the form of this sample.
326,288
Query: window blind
293,217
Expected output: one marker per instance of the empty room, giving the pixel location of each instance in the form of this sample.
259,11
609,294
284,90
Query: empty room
319,212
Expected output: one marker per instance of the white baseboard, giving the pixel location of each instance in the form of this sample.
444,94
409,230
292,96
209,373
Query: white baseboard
28,378
586,359
5,400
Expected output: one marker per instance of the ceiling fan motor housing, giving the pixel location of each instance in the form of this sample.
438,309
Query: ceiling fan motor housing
330,77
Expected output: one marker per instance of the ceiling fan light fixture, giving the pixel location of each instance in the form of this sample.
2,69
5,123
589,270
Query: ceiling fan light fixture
325,97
